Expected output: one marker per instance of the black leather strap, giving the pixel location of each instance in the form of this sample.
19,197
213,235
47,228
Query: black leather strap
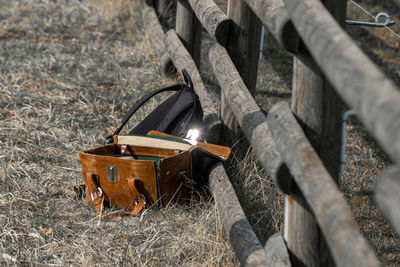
144,99
187,78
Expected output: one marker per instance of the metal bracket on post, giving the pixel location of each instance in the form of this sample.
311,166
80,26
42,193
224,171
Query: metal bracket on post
378,21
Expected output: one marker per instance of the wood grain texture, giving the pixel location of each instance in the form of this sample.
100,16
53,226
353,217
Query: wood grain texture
243,48
244,41
387,196
212,18
182,60
316,104
155,34
347,245
355,77
188,28
248,114
275,17
311,96
276,251
301,230
306,95
330,135
242,237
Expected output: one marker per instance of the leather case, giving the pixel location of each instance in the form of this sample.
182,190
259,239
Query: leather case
136,172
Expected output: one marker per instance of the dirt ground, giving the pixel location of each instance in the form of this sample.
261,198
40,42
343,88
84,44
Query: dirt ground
68,72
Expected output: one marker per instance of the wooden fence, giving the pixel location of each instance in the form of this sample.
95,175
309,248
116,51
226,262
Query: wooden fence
329,67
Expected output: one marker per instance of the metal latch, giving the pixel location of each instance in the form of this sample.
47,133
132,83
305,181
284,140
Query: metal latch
112,174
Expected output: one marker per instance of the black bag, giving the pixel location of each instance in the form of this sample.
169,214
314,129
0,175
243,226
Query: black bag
176,115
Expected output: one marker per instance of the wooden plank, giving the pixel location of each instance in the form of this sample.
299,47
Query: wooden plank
188,28
249,116
242,237
182,60
155,34
346,243
301,230
275,17
276,251
387,196
330,133
244,41
307,95
212,18
354,76
243,48
317,105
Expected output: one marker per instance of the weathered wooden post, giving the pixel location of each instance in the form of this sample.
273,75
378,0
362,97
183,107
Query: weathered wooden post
212,18
243,48
318,107
188,29
243,41
319,189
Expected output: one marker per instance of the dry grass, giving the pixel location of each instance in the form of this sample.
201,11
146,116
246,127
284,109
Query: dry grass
260,197
364,163
68,71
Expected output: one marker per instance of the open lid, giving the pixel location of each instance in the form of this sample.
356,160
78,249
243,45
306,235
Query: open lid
160,140
221,152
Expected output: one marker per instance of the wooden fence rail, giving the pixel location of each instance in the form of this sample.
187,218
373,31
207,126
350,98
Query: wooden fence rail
321,192
319,189
244,241
250,117
307,29
359,82
275,17
276,251
212,18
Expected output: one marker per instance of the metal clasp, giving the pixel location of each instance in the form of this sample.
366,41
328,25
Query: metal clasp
112,174
137,200
99,194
